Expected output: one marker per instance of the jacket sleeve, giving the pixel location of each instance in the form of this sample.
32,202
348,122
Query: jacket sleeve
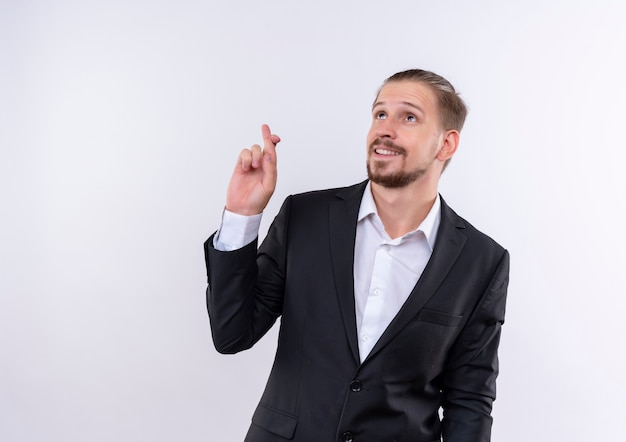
246,287
469,382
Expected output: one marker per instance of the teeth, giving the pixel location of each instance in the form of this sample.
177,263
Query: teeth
385,152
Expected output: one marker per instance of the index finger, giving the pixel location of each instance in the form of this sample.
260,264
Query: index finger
269,140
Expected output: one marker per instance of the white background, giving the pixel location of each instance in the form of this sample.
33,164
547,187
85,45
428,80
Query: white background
120,122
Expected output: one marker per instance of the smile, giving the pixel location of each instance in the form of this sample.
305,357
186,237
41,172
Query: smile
382,151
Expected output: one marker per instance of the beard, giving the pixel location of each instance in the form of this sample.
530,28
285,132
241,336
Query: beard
392,180
376,169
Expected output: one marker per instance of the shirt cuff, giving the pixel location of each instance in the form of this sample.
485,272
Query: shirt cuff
236,231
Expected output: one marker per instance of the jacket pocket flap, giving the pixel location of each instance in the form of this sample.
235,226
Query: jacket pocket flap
274,421
439,318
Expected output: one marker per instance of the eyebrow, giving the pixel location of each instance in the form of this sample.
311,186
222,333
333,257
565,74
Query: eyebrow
407,103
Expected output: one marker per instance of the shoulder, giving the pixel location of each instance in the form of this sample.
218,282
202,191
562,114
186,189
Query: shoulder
354,191
474,236
341,204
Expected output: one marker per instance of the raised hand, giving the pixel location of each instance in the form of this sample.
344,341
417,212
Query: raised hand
254,178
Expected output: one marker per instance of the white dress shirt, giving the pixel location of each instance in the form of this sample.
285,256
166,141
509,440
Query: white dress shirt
385,269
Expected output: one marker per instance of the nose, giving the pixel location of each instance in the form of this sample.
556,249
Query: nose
384,128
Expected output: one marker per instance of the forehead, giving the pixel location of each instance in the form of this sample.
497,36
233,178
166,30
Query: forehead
407,92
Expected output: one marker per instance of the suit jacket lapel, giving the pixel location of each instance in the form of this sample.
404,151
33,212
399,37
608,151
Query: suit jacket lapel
343,214
450,242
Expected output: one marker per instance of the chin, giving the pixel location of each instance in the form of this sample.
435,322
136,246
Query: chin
393,180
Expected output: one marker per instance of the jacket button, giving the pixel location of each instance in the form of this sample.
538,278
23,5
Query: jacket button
356,386
347,437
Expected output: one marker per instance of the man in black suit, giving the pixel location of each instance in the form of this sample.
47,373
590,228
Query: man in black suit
391,304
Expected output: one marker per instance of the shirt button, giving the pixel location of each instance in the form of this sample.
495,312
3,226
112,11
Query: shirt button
347,437
377,292
356,386
365,338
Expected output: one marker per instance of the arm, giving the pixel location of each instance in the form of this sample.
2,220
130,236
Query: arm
238,312
470,378
246,287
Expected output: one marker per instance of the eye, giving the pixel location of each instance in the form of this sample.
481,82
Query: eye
411,118
380,115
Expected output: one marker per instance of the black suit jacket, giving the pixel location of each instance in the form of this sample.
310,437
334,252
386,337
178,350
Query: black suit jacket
439,351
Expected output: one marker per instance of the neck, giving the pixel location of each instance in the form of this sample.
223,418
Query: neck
402,210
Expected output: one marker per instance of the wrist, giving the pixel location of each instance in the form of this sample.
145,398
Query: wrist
242,211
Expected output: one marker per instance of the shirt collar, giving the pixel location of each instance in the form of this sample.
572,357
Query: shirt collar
428,227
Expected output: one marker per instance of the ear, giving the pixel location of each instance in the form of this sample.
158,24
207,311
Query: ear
449,145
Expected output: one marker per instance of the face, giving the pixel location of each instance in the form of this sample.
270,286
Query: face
406,136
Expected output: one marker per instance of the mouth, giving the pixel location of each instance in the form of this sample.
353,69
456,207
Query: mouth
386,152
386,148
